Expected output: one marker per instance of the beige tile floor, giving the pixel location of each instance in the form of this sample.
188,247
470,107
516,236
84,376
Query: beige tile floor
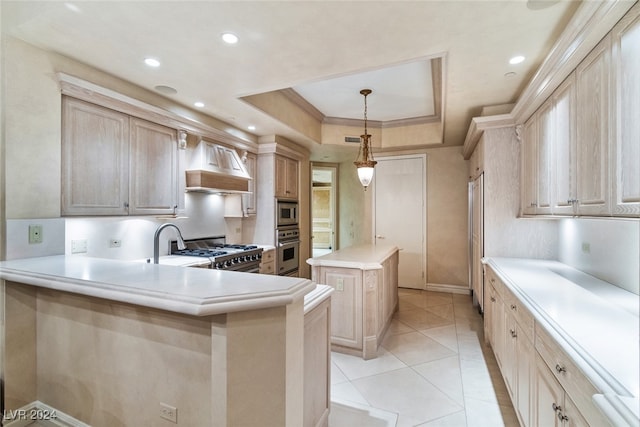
433,369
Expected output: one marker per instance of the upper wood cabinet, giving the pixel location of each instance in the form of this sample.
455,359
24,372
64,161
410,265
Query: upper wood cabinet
592,131
286,178
113,164
580,153
625,154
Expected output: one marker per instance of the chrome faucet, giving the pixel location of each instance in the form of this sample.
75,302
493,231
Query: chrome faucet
156,241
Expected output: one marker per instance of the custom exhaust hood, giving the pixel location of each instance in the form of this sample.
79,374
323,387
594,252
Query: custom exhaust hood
215,168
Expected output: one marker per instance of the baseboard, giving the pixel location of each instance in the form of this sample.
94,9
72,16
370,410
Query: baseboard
452,289
42,413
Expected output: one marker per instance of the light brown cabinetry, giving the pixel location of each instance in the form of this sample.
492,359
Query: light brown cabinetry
580,149
268,262
625,155
317,363
592,130
509,329
365,282
551,405
545,385
113,164
286,178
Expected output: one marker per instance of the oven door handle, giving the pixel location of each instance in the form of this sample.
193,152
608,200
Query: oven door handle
288,242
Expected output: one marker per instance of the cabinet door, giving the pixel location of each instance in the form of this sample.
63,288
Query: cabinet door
281,177
488,316
510,357
153,180
626,153
571,415
548,395
524,373
499,331
292,179
564,149
545,142
95,159
593,122
528,191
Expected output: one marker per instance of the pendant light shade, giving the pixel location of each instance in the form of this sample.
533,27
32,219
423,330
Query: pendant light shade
364,162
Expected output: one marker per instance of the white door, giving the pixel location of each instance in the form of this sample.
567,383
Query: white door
400,194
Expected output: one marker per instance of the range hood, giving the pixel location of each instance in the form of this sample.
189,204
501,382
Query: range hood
215,168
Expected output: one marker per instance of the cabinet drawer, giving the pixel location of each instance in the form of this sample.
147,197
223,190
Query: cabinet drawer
268,256
495,282
523,316
574,382
267,267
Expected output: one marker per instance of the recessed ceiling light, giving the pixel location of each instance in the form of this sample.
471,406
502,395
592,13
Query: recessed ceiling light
167,90
152,62
229,38
199,104
516,60
251,127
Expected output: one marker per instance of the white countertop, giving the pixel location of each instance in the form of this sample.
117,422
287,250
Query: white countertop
595,322
192,291
362,257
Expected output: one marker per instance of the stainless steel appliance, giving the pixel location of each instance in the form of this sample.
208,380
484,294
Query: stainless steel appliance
476,240
244,258
288,251
287,213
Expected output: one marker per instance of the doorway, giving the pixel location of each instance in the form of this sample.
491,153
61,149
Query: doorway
323,208
400,214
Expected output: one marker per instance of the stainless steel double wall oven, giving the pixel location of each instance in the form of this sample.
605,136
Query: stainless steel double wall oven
288,238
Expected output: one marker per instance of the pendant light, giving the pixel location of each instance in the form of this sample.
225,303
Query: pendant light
364,162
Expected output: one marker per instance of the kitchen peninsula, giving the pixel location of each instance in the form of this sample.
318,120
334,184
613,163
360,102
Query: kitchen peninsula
365,280
125,343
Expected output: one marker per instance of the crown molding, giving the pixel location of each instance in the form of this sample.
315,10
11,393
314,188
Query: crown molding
590,23
477,128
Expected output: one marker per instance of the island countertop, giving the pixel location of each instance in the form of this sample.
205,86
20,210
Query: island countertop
192,291
362,257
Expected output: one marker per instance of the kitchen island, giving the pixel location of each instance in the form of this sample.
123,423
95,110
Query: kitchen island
124,343
365,281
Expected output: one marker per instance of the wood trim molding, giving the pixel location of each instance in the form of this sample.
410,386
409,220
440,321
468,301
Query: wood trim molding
90,92
477,128
302,103
591,22
588,26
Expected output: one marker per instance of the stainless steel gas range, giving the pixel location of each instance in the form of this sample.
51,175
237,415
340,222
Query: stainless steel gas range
222,256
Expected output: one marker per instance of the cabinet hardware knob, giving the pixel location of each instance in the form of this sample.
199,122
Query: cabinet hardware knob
493,280
555,407
126,204
493,299
513,333
513,307
562,417
560,369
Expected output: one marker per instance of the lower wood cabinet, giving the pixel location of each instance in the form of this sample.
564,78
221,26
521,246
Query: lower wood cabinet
545,386
551,405
268,262
317,364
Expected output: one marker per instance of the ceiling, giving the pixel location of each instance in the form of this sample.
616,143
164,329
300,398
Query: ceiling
327,51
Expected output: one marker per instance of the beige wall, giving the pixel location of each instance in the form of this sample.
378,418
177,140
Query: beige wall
447,199
447,237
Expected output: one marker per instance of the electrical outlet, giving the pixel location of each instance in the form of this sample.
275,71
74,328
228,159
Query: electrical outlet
79,246
586,248
115,243
35,233
168,412
340,284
